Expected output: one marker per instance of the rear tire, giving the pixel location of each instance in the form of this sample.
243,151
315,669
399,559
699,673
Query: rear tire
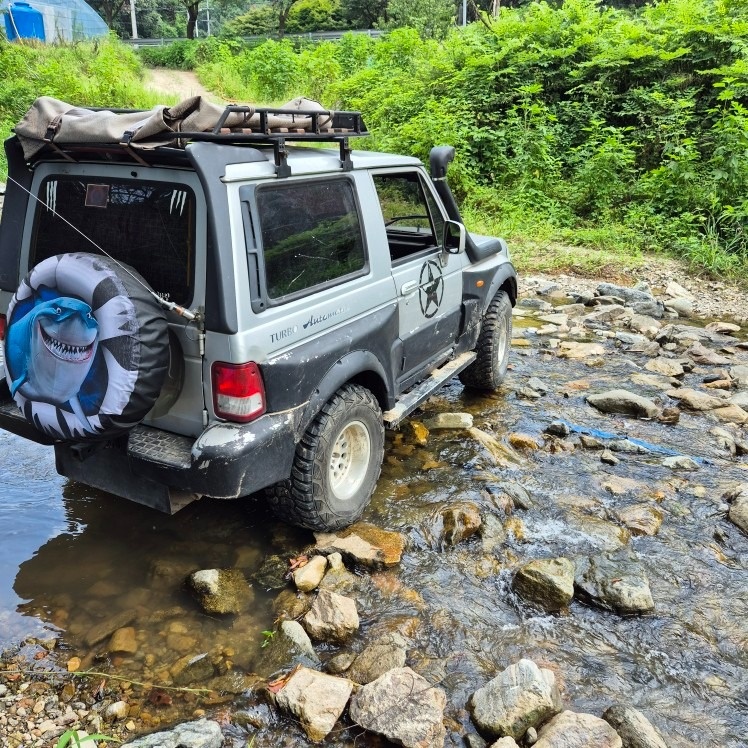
487,372
337,464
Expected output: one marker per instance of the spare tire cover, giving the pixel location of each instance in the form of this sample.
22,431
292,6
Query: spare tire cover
86,349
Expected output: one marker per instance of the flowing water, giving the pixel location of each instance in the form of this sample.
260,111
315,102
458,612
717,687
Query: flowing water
71,557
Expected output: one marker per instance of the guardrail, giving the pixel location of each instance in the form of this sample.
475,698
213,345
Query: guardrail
316,36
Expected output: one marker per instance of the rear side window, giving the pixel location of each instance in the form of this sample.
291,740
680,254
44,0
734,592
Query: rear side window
148,225
311,235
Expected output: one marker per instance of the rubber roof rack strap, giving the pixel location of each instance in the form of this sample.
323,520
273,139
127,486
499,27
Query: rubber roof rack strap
127,136
49,137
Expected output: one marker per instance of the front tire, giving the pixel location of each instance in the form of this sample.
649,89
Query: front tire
487,372
337,464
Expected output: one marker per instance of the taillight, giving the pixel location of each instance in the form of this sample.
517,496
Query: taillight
3,326
238,392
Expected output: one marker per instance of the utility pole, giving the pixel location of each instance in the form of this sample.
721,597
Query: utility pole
207,10
464,12
133,20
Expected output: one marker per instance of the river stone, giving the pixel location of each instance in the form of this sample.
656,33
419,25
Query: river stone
629,295
123,640
625,402
723,328
192,669
668,367
108,626
739,374
272,574
602,534
641,519
738,513
547,582
603,315
289,646
316,699
608,457
630,338
695,399
289,603
449,421
675,290
573,350
591,442
572,730
539,304
682,307
614,581
680,462
221,591
402,706
308,577
538,385
375,660
703,355
524,442
635,730
491,532
650,308
505,742
644,324
461,521
519,697
731,414
364,543
332,617
741,400
557,428
202,733
626,446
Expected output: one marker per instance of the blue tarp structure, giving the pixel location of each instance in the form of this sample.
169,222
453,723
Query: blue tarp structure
65,20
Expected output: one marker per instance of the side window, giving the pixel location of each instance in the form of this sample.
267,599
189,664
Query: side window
311,235
411,217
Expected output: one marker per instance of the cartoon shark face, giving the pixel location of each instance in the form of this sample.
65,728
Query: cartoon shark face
51,349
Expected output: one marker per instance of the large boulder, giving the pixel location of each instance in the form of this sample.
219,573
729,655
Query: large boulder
635,730
572,730
402,706
202,733
519,697
624,402
614,581
316,699
629,295
332,618
549,582
221,591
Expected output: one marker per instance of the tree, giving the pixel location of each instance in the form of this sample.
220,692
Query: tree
364,14
193,8
282,8
109,10
431,18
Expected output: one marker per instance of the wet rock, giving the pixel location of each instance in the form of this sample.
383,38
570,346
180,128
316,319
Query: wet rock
169,572
417,432
521,696
572,730
630,338
527,393
680,462
292,604
492,533
377,659
629,295
192,669
635,730
624,402
591,442
538,385
695,399
644,324
603,316
289,646
731,414
272,574
316,699
574,350
538,304
461,521
614,581
523,442
502,454
546,582
364,543
123,640
703,355
221,591
668,367
558,428
669,415
202,733
601,533
344,582
741,400
402,706
108,626
626,446
340,662
259,716
650,308
738,513
332,617
641,519
608,457
725,440
307,577
519,495
449,421
739,374
116,711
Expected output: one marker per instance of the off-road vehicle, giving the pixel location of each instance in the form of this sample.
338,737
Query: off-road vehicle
190,307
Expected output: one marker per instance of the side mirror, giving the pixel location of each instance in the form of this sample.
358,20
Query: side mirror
453,241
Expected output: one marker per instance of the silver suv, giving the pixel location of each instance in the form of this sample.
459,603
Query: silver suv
206,311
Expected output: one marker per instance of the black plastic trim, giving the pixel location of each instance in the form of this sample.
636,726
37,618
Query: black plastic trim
13,214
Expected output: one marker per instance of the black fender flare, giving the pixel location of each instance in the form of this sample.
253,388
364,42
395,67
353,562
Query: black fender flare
361,366
505,276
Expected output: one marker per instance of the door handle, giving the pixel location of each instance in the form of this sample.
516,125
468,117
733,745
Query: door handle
408,288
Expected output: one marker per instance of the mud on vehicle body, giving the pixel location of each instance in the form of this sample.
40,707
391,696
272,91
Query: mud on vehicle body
213,312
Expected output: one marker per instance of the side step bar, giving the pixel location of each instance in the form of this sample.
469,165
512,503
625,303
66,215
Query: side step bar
421,392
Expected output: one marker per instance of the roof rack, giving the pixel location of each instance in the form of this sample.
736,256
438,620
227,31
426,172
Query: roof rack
258,126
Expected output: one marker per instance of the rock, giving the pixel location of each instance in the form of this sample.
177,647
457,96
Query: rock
539,304
572,730
559,319
123,640
626,446
221,591
625,402
316,699
402,706
538,385
521,696
523,441
614,581
603,316
364,543
677,291
449,421
573,350
558,428
375,660
108,626
629,338
668,367
608,457
703,355
202,733
723,328
739,374
526,393
644,324
505,742
547,582
116,711
591,442
731,414
307,577
650,308
272,574
641,519
695,399
635,730
682,307
192,669
670,415
738,513
417,432
629,295
340,663
680,462
289,646
291,604
741,400
492,533
461,521
332,617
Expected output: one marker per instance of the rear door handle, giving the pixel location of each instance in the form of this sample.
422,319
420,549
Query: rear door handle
408,288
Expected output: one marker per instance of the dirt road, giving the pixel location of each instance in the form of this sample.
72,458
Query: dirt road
180,83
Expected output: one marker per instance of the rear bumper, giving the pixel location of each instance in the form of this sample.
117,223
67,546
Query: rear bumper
165,470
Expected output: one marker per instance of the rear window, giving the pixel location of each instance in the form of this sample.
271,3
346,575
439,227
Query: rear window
311,235
148,225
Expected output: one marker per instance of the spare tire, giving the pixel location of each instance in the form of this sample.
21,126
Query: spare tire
86,349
